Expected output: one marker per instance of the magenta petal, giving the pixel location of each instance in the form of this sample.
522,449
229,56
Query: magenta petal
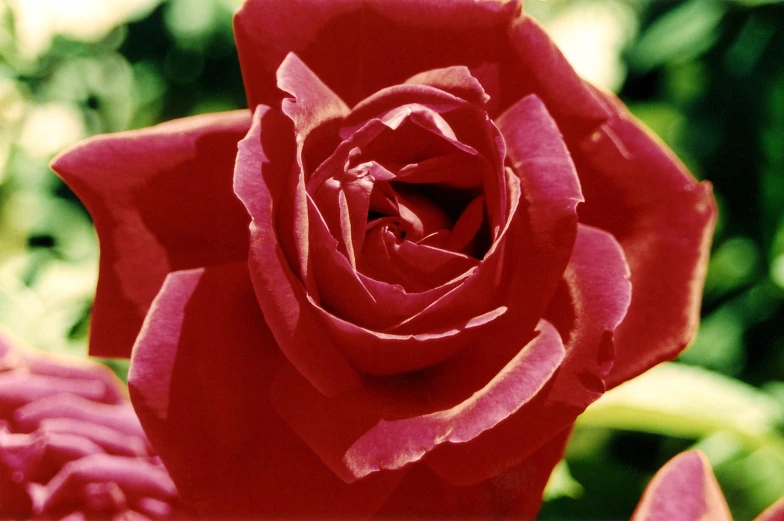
235,458
684,489
280,294
161,200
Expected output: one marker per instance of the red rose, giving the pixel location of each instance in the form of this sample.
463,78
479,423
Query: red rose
685,489
444,224
71,445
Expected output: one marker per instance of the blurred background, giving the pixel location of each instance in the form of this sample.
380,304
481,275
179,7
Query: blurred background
706,75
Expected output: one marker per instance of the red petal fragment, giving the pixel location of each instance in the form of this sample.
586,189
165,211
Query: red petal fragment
393,444
638,190
354,296
463,235
280,294
542,228
379,43
235,459
22,454
599,292
48,364
18,388
514,494
539,155
455,80
112,441
355,439
118,417
595,296
775,512
684,489
315,110
416,267
387,104
378,353
131,476
313,103
534,64
456,170
161,200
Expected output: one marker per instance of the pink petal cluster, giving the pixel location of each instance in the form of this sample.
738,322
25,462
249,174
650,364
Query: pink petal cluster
685,489
71,446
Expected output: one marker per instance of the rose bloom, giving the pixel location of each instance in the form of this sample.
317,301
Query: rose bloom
685,489
390,287
71,446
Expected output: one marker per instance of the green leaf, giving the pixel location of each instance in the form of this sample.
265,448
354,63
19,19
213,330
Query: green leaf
562,484
683,33
689,402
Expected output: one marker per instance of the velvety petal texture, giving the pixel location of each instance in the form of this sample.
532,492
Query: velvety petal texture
685,489
72,446
391,290
161,200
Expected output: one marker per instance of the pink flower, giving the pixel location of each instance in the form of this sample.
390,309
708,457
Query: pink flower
72,447
455,246
685,489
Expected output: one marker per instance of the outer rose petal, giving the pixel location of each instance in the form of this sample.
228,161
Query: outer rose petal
636,189
591,304
263,172
358,47
356,441
233,458
685,489
514,494
775,512
664,221
161,200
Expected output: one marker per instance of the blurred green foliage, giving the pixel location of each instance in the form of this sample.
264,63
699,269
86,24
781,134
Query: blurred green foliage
706,75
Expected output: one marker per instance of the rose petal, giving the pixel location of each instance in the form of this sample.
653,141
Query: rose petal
634,188
533,64
456,80
356,441
379,43
119,417
50,364
684,489
235,459
315,110
637,190
775,512
593,301
542,232
111,440
259,174
514,494
133,477
161,200
19,387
